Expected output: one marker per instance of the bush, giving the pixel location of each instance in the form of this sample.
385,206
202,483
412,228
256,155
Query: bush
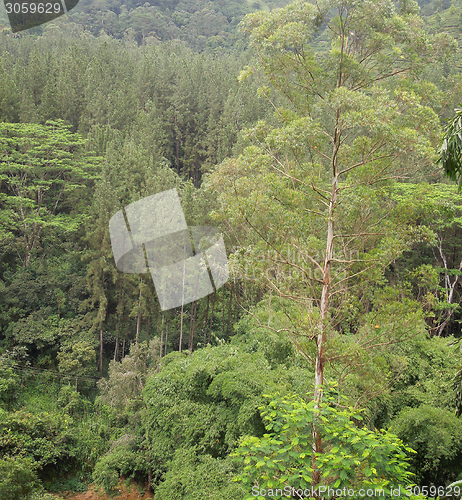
352,457
41,437
18,479
436,435
125,459
74,484
199,477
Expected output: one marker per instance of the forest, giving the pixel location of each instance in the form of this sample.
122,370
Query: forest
323,138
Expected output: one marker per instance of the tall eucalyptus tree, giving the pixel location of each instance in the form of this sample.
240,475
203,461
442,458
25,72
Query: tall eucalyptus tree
310,193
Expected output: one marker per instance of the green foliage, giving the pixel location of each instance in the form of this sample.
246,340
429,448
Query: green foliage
198,407
18,478
436,435
432,214
57,443
200,24
71,402
275,346
40,437
309,199
70,484
77,360
425,378
31,395
163,116
451,149
9,378
122,390
121,395
91,438
207,399
198,477
352,456
123,459
42,167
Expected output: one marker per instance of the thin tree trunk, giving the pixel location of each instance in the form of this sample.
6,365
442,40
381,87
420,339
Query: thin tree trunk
192,325
166,337
236,317
181,328
116,349
138,326
182,301
101,317
324,304
192,321
449,286
100,363
177,146
211,316
206,320
138,320
123,349
119,320
223,316
161,337
228,323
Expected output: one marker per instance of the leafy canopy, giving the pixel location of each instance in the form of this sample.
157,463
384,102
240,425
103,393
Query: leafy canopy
352,457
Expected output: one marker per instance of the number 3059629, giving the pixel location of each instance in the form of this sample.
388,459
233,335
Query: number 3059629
433,491
33,8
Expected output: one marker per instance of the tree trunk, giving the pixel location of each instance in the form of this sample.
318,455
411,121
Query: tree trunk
211,316
182,301
192,325
100,363
236,317
449,286
166,337
228,322
177,146
206,320
138,326
138,320
116,349
161,336
223,315
324,304
181,328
